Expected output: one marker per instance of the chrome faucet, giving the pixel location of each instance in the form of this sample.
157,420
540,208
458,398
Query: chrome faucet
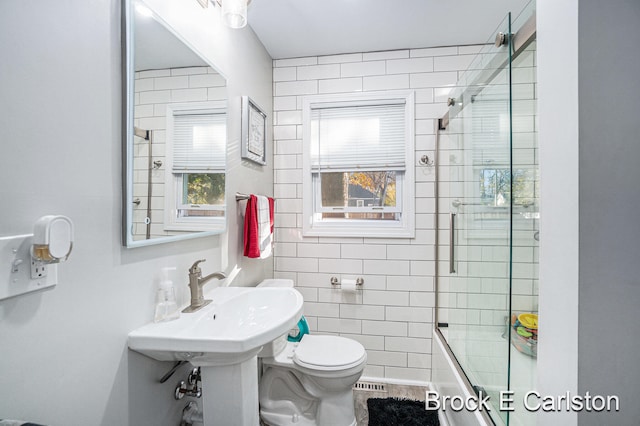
196,282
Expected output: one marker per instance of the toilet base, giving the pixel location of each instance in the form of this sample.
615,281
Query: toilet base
273,419
284,401
281,419
289,398
277,421
337,410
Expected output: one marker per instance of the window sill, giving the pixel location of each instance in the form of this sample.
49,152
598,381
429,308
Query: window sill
349,229
195,227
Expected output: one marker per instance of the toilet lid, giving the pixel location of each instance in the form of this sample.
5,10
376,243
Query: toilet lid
328,352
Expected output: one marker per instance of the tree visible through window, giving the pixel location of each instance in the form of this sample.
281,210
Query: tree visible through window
359,190
203,189
496,188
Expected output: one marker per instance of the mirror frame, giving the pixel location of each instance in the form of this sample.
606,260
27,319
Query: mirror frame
128,95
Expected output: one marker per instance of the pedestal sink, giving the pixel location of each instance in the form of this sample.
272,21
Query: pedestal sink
223,338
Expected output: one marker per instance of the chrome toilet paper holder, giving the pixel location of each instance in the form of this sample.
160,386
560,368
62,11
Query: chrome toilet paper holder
336,283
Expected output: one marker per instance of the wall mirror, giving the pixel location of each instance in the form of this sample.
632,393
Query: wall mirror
174,149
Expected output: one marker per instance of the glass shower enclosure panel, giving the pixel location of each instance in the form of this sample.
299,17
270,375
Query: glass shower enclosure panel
525,223
474,220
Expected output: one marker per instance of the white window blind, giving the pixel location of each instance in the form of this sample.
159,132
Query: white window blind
490,131
368,137
199,141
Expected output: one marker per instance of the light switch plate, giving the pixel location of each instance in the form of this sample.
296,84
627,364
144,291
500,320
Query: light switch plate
15,268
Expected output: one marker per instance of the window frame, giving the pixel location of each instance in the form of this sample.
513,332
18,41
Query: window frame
312,223
174,182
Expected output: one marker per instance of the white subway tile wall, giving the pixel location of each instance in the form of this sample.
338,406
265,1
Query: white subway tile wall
154,90
393,315
478,295
524,286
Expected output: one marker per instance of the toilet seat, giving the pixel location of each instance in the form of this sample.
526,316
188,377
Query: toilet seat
328,353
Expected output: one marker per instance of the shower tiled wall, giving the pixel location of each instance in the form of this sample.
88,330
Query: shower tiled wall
525,147
525,157
393,315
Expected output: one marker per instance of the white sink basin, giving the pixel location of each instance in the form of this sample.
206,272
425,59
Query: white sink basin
231,329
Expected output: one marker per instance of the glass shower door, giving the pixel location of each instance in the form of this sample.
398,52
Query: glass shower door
475,221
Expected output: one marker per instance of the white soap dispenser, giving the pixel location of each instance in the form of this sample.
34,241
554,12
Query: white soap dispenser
166,307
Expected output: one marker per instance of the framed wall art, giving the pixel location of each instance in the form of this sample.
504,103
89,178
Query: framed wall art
254,132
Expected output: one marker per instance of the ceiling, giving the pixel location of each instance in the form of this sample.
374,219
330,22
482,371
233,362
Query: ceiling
158,48
297,28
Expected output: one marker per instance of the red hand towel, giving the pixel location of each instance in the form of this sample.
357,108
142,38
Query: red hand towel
251,243
271,204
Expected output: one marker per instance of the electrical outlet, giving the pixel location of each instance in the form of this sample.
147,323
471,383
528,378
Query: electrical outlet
38,270
22,275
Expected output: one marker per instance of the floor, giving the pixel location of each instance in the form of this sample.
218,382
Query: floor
391,391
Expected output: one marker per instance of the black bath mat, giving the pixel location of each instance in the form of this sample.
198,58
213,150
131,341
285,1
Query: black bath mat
400,412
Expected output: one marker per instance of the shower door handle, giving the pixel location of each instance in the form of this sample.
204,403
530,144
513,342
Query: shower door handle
452,242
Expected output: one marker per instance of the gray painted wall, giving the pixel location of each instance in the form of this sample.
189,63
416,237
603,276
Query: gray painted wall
589,151
557,369
64,356
609,84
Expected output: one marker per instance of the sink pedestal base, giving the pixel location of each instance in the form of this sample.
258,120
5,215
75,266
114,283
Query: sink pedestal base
230,394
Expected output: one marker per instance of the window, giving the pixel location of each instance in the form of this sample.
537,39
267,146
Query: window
502,176
195,181
496,187
358,165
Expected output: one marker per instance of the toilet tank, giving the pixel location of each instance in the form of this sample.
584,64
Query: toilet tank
276,346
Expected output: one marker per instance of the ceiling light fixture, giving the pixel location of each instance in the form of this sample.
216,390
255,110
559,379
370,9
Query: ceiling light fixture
234,12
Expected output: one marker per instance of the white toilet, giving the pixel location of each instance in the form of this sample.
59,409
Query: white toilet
309,383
